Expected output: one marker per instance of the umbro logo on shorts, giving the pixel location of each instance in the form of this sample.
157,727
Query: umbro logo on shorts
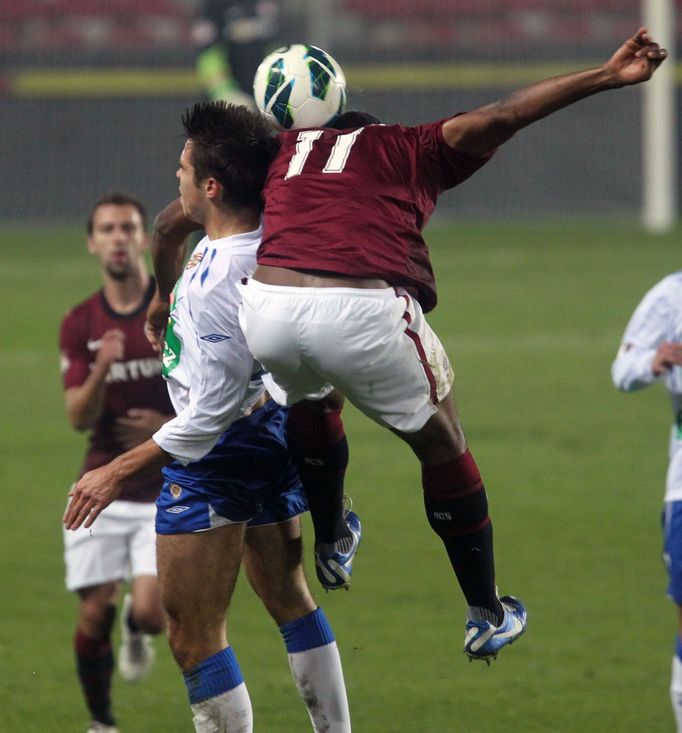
177,509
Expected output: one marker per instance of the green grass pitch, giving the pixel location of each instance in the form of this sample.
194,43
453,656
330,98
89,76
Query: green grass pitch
531,317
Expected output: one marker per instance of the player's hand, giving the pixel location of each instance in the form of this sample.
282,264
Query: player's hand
137,426
111,347
93,493
157,319
637,59
668,355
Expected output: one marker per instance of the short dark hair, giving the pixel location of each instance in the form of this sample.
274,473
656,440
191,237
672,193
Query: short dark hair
349,119
233,145
116,198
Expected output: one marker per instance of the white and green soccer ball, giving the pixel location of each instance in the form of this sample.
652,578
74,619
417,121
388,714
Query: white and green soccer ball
299,86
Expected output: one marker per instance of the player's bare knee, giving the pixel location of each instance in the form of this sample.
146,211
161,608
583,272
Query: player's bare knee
190,625
435,443
182,644
290,604
190,644
285,614
96,616
184,654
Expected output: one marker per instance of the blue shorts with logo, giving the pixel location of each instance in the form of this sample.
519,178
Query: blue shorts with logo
247,477
672,548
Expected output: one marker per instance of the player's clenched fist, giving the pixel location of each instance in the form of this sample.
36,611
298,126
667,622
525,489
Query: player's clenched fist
667,355
637,59
111,347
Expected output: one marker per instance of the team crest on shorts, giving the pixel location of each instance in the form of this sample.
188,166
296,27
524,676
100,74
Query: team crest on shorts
175,490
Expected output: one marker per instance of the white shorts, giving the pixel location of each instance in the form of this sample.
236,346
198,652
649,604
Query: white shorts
375,346
121,544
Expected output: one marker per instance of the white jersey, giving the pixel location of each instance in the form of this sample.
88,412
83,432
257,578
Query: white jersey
212,377
657,319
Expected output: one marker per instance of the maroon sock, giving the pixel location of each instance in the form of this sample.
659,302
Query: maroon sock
457,509
318,445
95,665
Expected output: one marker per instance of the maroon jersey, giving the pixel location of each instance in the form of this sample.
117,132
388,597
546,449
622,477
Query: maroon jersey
135,381
354,202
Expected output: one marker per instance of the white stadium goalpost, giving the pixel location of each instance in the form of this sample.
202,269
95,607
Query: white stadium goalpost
659,195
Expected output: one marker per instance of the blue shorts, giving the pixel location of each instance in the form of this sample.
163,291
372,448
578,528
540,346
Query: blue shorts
247,477
672,548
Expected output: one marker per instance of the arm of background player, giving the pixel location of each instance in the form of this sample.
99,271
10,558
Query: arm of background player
171,229
84,403
646,351
98,488
480,131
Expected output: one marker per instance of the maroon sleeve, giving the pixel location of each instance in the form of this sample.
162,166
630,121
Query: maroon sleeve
442,165
74,355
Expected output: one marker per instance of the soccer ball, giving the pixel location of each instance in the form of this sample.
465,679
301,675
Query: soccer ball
299,86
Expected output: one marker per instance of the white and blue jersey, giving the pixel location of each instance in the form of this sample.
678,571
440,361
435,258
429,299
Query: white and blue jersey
657,320
231,462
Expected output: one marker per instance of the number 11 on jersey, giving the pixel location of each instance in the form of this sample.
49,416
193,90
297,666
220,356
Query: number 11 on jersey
337,159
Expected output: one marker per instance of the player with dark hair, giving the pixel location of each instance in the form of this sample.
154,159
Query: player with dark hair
231,493
113,388
342,285
315,431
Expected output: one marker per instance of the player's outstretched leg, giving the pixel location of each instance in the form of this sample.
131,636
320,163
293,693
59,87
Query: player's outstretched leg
457,509
318,445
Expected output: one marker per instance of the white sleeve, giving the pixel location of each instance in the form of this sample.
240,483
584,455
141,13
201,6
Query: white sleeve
222,370
649,327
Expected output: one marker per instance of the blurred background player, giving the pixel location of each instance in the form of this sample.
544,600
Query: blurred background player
232,37
231,493
341,300
650,352
114,390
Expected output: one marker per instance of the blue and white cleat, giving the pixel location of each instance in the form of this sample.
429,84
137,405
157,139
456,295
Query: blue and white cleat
334,566
484,641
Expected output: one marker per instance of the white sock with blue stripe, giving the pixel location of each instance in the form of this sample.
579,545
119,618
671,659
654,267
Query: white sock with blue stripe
218,696
316,666
676,684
